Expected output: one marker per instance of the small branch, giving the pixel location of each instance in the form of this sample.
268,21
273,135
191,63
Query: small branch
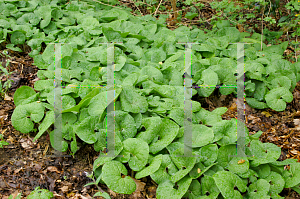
173,11
296,49
137,6
157,7
139,9
107,4
173,2
262,27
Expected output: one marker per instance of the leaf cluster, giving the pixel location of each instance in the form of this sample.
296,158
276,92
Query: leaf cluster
148,96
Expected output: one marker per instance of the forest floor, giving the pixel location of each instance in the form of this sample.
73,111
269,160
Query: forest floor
25,164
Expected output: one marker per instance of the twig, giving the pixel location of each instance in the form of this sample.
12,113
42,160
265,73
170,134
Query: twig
108,4
262,27
228,18
138,2
269,8
200,13
137,6
157,7
173,11
296,49
173,2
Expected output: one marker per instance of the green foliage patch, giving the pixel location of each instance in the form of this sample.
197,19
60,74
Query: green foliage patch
149,98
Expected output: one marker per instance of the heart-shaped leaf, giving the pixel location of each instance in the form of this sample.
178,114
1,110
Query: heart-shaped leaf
111,175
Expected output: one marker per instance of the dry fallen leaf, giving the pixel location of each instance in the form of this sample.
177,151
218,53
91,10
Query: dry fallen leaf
7,97
199,170
26,143
267,114
64,189
294,151
241,161
52,169
139,187
297,124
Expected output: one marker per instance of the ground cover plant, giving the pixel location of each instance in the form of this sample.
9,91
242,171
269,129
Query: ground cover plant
149,100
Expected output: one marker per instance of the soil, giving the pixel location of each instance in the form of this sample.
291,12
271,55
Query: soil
25,164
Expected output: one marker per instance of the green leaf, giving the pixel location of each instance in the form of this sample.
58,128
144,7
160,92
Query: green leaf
112,35
254,70
104,195
152,73
42,85
296,188
194,189
292,177
100,144
256,135
24,95
238,165
153,167
209,153
260,90
167,134
209,186
112,177
103,158
254,103
17,38
13,48
132,102
165,90
263,170
177,114
209,78
207,117
139,150
85,130
84,102
166,188
277,98
223,23
61,145
231,32
281,81
190,15
220,111
224,154
225,132
184,164
201,135
259,189
23,116
166,169
152,126
40,193
47,122
99,102
263,152
226,181
276,182
45,13
199,169
124,124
